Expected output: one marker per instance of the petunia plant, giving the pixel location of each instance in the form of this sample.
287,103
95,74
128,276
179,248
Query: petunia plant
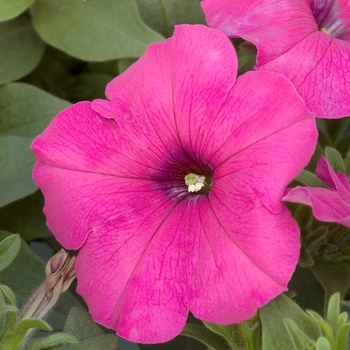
192,158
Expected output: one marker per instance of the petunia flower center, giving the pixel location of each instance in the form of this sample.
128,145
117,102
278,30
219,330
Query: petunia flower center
326,30
184,175
331,18
195,182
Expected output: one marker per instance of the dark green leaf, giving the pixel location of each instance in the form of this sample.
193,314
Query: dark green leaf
12,8
16,165
93,30
26,217
101,342
335,159
26,110
88,86
163,15
310,179
205,336
80,324
274,332
21,49
347,163
333,275
9,248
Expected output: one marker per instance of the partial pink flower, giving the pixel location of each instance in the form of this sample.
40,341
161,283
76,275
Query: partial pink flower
154,246
307,41
329,205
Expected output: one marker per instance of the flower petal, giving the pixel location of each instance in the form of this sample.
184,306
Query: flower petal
338,182
251,252
134,278
319,68
327,205
179,83
273,26
262,119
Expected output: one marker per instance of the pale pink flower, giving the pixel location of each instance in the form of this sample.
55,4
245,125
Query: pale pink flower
329,205
113,176
307,41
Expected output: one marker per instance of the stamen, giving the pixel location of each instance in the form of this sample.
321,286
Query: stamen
194,182
325,30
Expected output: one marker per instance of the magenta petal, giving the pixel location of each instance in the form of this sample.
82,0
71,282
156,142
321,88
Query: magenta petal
290,42
174,66
235,237
320,74
329,205
273,26
257,141
133,275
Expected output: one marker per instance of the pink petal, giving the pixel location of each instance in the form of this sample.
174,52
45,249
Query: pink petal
134,276
272,129
338,182
327,205
195,73
235,235
318,67
273,26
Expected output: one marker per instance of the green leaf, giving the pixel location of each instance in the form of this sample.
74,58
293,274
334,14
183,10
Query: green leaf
343,317
26,217
335,159
347,163
9,248
274,332
16,166
205,336
333,275
4,309
323,344
15,340
310,179
89,86
300,340
226,331
333,312
7,292
21,49
4,319
10,9
101,342
25,274
163,15
80,325
26,110
342,337
51,341
93,30
125,63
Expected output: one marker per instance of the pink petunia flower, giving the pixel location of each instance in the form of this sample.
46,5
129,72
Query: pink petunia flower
307,41
329,205
172,188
